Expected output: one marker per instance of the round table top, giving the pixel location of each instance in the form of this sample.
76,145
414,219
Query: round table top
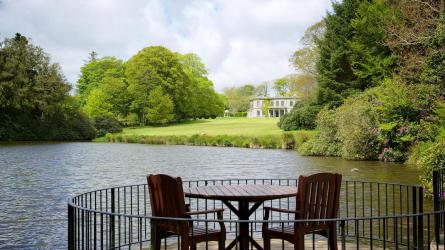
241,192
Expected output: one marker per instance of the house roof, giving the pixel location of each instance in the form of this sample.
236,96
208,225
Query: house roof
275,98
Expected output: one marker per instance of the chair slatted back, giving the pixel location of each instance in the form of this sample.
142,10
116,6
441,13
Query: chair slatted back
318,198
167,200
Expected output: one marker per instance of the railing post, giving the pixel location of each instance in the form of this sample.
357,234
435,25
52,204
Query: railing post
112,229
420,220
343,235
152,234
436,203
414,207
71,231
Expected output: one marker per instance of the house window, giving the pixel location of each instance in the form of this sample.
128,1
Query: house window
291,103
258,113
282,103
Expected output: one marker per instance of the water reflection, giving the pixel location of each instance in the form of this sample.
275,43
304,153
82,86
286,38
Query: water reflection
37,178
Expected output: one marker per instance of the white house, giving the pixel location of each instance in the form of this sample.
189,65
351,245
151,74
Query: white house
277,106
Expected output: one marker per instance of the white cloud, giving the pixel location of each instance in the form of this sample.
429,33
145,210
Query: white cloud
245,41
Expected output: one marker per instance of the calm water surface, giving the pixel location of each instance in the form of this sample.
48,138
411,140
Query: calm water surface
36,179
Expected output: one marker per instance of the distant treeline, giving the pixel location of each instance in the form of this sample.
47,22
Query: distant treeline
156,86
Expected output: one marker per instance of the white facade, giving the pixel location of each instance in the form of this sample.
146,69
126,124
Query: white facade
278,106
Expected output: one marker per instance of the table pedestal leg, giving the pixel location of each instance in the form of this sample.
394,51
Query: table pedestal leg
243,209
243,212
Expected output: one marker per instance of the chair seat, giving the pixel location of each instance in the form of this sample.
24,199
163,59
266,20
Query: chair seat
290,230
199,231
279,230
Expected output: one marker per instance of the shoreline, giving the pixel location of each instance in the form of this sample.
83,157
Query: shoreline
287,140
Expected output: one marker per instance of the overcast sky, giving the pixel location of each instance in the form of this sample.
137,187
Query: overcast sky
239,41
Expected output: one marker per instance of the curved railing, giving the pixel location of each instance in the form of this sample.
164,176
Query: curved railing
371,215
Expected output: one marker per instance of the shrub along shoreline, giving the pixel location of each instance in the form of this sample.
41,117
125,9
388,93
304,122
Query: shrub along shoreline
287,140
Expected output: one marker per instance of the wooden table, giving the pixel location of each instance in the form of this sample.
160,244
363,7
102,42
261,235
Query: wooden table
243,194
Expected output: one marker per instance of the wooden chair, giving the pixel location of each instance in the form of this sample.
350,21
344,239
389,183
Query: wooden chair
317,198
167,200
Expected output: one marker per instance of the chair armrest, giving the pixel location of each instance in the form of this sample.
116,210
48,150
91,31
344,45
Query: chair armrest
267,212
219,214
219,210
281,210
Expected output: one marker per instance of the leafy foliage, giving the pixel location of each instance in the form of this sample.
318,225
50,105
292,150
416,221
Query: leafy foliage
109,98
358,129
326,142
34,100
408,116
353,56
416,35
431,159
157,66
302,85
206,102
151,81
160,106
93,73
304,60
382,122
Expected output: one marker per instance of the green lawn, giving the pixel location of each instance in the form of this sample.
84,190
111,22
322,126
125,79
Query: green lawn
219,126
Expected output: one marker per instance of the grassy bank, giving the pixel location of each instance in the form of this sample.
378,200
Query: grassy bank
224,132
219,126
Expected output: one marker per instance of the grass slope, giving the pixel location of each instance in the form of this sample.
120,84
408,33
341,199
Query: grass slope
224,132
220,126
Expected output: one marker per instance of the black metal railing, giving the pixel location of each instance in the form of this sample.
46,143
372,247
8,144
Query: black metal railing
371,215
439,201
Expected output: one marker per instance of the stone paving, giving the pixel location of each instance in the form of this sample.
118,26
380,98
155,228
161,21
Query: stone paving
278,244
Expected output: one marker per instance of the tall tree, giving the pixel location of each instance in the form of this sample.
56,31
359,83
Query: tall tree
416,34
353,55
206,102
34,96
301,85
158,66
28,79
335,76
94,71
304,60
109,98
262,89
371,59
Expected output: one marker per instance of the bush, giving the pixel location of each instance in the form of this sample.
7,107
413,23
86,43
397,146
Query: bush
431,159
326,142
300,117
65,123
131,120
407,116
358,129
383,122
106,124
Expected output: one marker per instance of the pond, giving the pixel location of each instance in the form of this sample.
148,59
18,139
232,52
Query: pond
37,178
